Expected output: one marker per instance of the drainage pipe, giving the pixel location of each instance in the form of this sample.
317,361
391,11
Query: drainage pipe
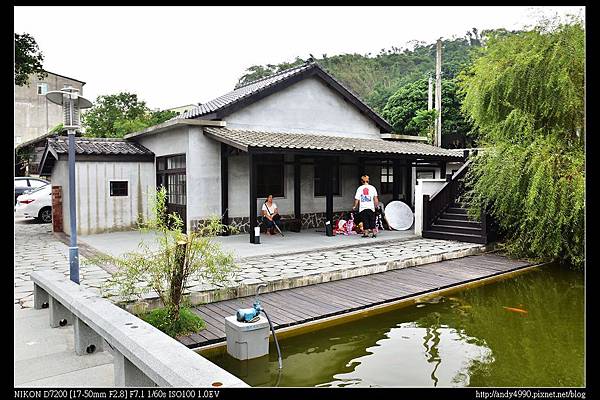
274,339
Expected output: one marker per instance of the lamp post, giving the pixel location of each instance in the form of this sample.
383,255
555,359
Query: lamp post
71,102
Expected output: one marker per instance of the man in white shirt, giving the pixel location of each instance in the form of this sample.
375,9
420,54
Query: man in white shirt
367,200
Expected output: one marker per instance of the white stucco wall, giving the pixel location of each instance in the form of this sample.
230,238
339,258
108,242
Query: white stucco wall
97,211
203,181
308,106
424,186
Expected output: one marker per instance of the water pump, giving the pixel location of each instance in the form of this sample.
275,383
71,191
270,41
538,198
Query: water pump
253,314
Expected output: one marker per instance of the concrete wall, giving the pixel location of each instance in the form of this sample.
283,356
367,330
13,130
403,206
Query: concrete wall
308,106
34,114
97,211
424,186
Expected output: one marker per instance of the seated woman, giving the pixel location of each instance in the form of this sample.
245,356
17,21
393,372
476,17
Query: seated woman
270,215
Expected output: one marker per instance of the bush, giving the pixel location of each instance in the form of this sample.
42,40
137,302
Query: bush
188,322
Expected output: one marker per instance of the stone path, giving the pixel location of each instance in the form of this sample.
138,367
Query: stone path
270,269
36,249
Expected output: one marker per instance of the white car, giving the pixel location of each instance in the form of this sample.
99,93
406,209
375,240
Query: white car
36,204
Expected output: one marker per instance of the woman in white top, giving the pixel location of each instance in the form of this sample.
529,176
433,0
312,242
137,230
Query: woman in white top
270,215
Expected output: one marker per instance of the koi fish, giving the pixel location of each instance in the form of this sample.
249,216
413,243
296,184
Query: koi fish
517,310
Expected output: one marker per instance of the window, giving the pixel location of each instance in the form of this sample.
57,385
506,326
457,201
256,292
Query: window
119,188
42,88
321,178
35,183
270,174
387,177
176,189
21,183
426,174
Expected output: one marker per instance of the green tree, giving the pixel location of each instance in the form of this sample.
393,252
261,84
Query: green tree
526,96
118,114
404,106
28,59
167,270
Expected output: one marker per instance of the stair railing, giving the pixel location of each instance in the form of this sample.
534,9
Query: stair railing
438,202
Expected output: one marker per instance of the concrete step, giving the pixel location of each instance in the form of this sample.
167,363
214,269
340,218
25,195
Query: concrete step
457,229
456,216
454,236
458,222
456,210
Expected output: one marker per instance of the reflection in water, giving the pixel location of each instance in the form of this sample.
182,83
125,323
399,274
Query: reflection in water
468,338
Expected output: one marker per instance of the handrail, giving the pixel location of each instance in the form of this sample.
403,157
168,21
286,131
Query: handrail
441,199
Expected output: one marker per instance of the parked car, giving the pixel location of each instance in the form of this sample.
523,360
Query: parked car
26,183
36,204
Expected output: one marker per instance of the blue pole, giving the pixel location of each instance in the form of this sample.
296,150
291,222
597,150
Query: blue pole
73,249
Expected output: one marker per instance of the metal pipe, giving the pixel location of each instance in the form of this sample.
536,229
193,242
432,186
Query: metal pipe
73,249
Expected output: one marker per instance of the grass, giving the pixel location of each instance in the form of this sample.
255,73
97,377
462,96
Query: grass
188,322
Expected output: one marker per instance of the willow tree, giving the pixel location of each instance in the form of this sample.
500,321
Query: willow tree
526,96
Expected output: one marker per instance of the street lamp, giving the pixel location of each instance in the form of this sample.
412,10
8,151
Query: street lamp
71,102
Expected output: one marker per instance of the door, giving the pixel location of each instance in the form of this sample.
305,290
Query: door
171,173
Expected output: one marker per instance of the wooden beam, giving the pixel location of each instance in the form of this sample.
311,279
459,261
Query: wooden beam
397,178
328,192
252,193
224,184
297,188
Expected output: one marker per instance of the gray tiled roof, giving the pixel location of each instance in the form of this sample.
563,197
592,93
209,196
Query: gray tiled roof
257,88
242,92
244,139
97,146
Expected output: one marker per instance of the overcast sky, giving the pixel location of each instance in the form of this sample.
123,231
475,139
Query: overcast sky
172,56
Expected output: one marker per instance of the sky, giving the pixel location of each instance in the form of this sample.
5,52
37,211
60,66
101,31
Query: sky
173,56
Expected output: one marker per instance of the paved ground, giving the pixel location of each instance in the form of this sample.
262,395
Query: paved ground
294,260
36,248
118,243
45,356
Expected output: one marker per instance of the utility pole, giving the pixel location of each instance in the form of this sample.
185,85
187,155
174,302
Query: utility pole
437,141
430,94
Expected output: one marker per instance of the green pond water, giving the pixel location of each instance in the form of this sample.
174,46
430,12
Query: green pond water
468,338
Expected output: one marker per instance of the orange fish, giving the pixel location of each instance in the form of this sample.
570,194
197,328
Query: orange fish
518,310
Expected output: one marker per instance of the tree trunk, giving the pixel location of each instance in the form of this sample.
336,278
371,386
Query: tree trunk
177,280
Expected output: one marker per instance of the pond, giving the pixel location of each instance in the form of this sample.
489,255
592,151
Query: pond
524,331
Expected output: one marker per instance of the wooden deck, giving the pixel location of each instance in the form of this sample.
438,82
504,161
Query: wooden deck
299,305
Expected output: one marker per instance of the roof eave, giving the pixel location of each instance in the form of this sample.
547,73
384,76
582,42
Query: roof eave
168,125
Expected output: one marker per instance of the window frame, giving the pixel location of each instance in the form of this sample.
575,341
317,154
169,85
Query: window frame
388,186
42,85
270,161
110,188
425,170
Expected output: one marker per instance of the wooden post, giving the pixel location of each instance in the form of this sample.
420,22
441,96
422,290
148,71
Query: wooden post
252,193
297,188
397,178
409,185
328,192
442,169
426,224
224,184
